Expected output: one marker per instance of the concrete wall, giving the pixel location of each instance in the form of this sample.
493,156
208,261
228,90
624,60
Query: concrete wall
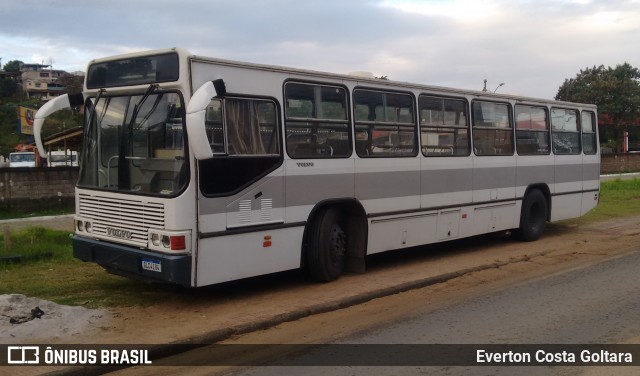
615,164
36,189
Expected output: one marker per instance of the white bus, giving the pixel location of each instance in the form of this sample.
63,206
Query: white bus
22,159
58,158
197,171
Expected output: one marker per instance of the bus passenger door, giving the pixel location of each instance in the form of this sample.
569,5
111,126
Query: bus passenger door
567,149
590,162
494,167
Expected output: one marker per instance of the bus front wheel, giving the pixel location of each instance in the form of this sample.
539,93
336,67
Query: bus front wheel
533,216
327,246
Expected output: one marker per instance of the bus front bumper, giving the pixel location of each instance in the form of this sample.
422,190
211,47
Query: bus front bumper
134,262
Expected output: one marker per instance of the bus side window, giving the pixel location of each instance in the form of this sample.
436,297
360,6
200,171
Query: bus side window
444,130
385,124
532,130
589,137
317,122
565,131
239,126
492,130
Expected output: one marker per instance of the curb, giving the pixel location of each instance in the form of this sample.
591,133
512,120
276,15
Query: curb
174,348
36,219
621,176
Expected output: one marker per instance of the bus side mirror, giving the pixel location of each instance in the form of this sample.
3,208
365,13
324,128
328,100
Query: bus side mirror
196,114
59,103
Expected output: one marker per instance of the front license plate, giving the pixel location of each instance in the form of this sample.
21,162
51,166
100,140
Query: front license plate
152,265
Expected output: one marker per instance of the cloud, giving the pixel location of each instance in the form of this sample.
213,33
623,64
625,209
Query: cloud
532,46
464,11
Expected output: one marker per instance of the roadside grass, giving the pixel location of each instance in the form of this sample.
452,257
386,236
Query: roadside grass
33,243
618,198
72,282
40,263
65,280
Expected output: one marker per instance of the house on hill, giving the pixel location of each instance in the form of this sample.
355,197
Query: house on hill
39,81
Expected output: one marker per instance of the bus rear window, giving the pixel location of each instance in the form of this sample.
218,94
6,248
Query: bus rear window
134,71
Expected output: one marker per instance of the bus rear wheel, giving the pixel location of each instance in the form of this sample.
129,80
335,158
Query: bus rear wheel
533,216
327,246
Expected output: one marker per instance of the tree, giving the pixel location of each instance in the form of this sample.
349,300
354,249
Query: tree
72,83
616,92
9,137
7,87
13,66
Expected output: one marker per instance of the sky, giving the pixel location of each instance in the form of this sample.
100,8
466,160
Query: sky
531,46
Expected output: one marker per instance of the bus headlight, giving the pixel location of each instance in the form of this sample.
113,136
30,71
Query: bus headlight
155,239
166,241
83,225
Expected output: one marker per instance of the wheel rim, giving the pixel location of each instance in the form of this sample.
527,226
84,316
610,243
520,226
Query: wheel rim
338,243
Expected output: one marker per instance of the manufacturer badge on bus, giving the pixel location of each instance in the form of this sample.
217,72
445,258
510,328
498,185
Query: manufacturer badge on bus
118,233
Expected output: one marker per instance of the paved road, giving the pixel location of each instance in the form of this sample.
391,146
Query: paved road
595,304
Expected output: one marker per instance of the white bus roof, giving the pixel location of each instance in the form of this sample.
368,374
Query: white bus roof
186,55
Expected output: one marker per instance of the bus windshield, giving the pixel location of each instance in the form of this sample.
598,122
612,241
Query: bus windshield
135,144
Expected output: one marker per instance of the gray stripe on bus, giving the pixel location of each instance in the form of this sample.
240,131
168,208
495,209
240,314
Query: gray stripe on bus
302,190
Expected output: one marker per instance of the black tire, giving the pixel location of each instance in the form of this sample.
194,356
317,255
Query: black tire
533,216
326,246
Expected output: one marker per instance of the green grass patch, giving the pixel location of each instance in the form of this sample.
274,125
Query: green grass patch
34,243
73,282
618,198
47,270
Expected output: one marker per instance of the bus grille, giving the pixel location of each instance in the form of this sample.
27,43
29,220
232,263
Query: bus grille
128,215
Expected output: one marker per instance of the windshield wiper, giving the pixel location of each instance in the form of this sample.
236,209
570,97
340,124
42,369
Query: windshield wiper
138,106
95,105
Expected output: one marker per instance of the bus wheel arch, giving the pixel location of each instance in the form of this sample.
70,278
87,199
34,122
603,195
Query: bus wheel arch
535,212
335,228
